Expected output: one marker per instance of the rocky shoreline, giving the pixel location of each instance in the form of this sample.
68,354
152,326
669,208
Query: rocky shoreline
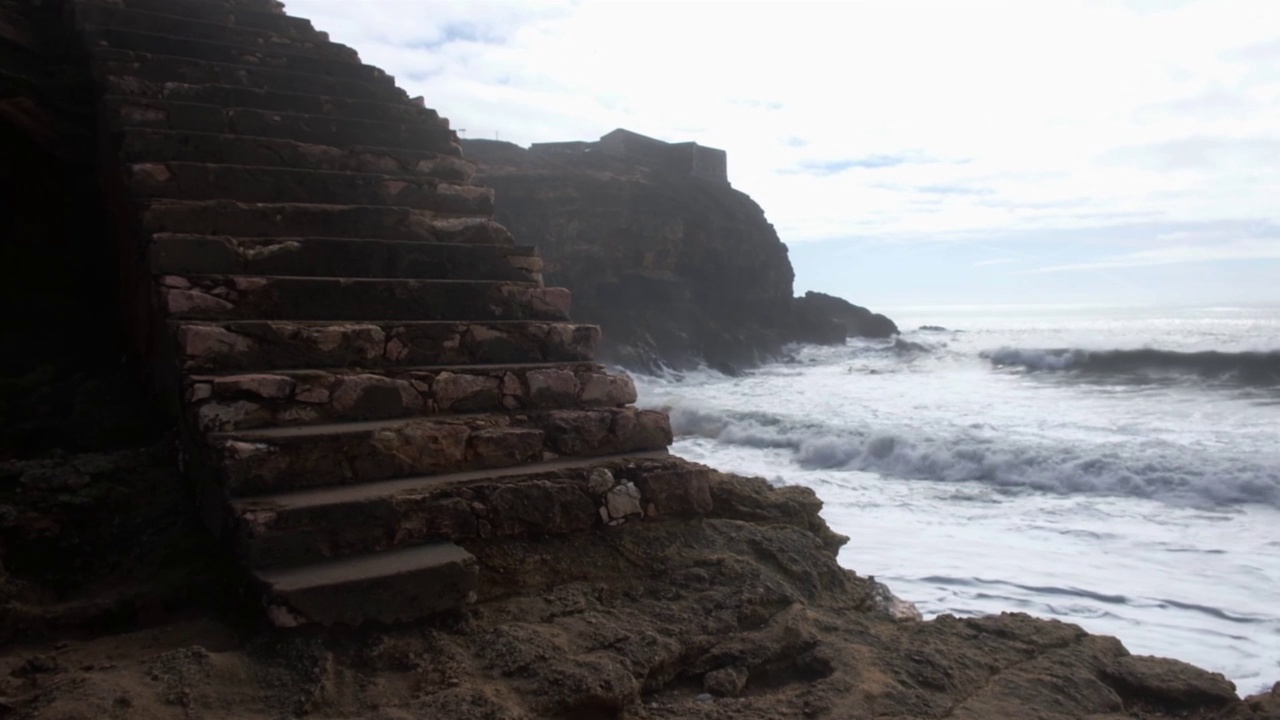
735,608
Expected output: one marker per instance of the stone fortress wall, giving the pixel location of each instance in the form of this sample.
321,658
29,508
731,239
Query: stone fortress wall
686,158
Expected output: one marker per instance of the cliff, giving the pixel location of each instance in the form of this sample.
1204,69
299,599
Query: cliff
679,269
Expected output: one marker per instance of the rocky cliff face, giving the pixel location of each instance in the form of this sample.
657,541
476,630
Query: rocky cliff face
677,269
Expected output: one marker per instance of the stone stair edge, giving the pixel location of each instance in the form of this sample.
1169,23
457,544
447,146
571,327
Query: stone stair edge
402,585
471,508
216,7
416,179
123,56
479,368
348,494
521,250
247,401
316,37
427,121
296,434
339,279
350,68
134,87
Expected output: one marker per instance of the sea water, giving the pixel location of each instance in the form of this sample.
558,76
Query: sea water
1114,468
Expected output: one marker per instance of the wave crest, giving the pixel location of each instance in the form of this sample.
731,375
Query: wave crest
1257,369
1166,473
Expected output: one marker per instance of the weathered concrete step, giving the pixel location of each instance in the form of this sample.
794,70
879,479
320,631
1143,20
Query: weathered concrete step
294,58
222,403
421,134
176,254
258,297
153,67
273,100
266,220
551,498
225,13
396,586
258,345
286,459
256,184
142,144
123,18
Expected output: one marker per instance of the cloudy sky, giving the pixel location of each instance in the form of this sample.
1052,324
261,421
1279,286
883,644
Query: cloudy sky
908,152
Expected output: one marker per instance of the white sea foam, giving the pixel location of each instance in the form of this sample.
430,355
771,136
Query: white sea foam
1135,499
1160,470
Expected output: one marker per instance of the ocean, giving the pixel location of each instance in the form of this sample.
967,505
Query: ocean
1116,468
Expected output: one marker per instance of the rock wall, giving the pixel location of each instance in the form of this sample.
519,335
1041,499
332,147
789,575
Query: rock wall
678,270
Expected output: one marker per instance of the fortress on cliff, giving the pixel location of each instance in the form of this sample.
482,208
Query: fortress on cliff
686,158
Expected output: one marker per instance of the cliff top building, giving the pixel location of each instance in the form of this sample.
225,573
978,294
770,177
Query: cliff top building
686,158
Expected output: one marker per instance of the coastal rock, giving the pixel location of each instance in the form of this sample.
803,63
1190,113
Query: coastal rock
891,605
741,611
679,267
857,321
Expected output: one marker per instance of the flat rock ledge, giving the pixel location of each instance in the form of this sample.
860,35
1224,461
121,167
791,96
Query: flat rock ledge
735,609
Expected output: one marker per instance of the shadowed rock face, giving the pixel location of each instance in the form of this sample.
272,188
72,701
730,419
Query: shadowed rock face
677,269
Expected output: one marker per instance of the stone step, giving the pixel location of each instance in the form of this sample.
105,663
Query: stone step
204,347
159,68
140,144
265,220
397,586
223,403
292,58
288,459
123,18
272,100
257,184
224,13
259,297
137,112
177,254
549,498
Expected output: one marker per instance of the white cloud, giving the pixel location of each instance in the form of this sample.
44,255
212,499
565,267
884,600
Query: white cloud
840,117
1238,249
993,261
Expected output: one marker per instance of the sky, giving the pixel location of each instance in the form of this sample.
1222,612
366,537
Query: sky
908,152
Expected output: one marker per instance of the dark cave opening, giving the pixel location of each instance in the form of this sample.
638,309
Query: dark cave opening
68,383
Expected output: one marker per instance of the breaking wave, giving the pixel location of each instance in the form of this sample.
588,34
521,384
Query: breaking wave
1160,471
1256,369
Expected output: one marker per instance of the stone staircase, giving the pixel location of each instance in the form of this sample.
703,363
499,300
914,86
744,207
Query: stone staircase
367,363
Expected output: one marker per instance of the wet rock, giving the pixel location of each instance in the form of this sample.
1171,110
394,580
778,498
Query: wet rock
1169,683
891,605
